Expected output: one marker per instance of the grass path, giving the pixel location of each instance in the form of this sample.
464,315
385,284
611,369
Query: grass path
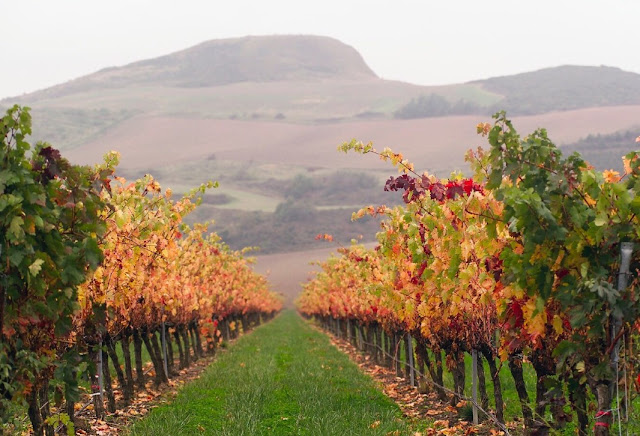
283,378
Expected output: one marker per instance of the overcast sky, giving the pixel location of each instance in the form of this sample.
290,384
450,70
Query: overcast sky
428,42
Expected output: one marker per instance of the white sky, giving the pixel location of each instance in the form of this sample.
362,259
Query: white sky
45,42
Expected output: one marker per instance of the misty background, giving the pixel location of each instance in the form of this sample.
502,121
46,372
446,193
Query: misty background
186,95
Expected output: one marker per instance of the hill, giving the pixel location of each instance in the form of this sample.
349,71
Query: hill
287,78
564,88
604,151
297,79
260,164
263,116
227,61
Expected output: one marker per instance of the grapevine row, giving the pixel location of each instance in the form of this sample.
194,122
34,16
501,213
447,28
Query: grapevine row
519,263
91,263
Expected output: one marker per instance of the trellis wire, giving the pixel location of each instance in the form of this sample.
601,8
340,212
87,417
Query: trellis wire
490,415
474,402
88,403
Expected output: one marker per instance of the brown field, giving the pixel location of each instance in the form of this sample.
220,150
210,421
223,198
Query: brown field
435,144
287,271
297,101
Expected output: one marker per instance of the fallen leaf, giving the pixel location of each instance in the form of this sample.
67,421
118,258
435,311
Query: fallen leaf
441,423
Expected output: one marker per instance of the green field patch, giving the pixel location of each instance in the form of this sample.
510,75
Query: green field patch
470,92
245,200
353,207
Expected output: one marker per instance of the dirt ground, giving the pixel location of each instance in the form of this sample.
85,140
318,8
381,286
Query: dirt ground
433,144
287,271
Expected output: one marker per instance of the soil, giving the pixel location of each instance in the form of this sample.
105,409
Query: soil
143,403
419,407
434,144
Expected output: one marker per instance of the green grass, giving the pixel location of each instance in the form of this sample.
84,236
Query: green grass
21,423
513,409
469,92
239,181
245,200
509,394
283,378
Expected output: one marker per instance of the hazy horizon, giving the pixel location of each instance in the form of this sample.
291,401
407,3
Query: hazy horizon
426,44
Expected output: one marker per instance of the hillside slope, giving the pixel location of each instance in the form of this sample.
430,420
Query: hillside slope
435,144
260,113
226,61
297,79
564,88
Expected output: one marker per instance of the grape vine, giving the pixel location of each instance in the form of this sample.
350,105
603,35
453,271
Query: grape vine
519,263
89,261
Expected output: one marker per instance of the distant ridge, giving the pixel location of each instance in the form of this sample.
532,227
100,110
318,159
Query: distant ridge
263,116
564,88
226,61
299,79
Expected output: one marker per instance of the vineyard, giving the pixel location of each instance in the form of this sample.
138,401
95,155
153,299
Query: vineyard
530,264
91,264
529,268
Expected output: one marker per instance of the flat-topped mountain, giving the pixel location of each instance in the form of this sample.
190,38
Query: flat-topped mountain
227,61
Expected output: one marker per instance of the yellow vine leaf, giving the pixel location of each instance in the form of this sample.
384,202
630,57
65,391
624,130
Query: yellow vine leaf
535,324
611,176
557,324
